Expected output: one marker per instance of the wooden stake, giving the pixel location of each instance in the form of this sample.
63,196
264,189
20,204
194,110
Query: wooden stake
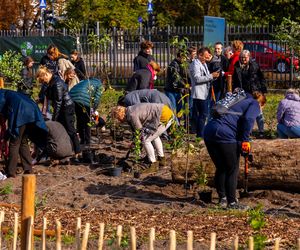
1,221
44,233
27,207
78,233
172,240
277,243
236,243
85,236
251,243
101,236
213,241
189,240
15,231
119,235
58,235
298,241
151,238
133,238
29,236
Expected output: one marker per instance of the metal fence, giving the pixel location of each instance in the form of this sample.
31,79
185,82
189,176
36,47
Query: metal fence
114,61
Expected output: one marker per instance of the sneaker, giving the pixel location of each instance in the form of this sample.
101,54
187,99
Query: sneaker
153,167
238,206
222,202
162,161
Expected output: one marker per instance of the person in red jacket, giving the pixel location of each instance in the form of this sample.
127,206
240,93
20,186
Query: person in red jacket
237,47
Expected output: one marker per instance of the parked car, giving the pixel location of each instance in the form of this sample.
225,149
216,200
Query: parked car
271,56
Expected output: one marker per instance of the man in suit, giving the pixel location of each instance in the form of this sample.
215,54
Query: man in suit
201,79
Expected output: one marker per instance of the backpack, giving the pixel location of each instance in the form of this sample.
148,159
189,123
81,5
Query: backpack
223,106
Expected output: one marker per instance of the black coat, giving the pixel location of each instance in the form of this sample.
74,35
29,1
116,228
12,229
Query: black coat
80,69
250,79
177,77
57,92
141,61
50,64
140,80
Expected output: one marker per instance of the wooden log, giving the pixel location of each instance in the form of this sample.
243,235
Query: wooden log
78,233
251,243
213,237
119,235
236,243
277,244
27,207
36,232
275,165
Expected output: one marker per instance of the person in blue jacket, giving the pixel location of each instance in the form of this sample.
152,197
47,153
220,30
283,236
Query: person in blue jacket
86,96
25,121
224,138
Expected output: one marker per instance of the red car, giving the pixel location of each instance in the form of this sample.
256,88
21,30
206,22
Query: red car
271,56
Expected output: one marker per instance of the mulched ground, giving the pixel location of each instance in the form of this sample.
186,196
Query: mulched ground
153,200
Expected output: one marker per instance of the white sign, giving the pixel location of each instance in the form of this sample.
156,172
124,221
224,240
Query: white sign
43,4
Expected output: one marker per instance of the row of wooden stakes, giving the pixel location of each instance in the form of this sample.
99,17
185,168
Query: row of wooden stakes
82,242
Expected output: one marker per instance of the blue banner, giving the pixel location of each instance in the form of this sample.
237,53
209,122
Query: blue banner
214,30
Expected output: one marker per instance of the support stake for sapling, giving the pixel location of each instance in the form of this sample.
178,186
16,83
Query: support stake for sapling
85,236
151,238
78,233
44,233
172,240
236,243
251,243
16,223
58,234
101,236
213,237
133,238
189,240
119,235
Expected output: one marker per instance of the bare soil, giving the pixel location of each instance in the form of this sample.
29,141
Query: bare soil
66,192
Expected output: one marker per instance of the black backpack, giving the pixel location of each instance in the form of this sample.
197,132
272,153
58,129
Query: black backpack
223,106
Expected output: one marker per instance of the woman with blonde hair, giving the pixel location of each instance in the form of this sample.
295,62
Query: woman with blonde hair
63,106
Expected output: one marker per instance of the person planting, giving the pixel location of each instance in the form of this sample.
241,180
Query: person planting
225,137
152,120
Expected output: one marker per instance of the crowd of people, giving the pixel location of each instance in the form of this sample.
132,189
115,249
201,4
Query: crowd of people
197,76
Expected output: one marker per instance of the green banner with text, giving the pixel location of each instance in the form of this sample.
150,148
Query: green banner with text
36,46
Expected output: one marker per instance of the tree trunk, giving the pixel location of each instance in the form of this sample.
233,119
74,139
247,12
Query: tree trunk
276,165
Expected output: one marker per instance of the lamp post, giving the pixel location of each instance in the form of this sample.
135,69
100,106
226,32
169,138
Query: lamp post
150,13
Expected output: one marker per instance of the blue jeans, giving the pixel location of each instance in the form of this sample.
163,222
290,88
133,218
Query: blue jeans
260,120
174,98
200,113
285,132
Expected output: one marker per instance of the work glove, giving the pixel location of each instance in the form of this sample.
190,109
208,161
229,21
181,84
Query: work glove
246,147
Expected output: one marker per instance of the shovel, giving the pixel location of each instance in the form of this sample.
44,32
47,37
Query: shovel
248,158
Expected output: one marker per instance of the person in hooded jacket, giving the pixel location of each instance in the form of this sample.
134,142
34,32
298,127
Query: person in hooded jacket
225,137
144,57
25,121
143,78
288,115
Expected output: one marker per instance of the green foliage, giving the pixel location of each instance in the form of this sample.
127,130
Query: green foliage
137,145
11,66
256,219
270,111
289,32
68,239
99,43
7,189
39,203
201,176
109,99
